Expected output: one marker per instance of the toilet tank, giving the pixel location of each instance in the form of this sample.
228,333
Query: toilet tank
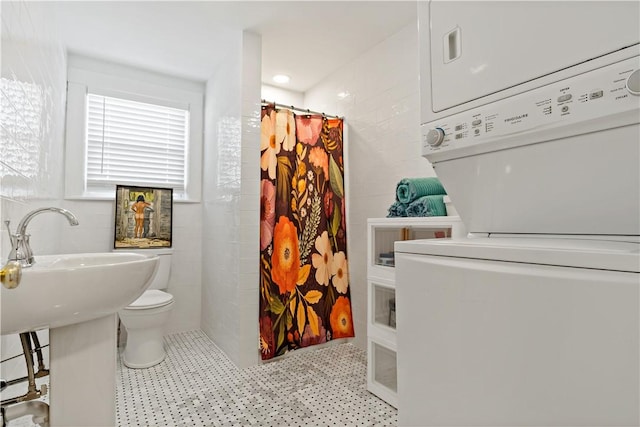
161,278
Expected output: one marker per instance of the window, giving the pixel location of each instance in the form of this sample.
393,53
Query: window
131,127
129,141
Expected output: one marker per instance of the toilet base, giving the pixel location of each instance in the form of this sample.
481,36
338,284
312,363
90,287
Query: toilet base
142,365
144,346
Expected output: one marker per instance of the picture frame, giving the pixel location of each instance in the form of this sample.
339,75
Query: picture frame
143,217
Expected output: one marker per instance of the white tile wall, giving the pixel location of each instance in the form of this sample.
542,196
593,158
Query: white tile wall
231,202
250,201
383,142
221,193
32,99
282,96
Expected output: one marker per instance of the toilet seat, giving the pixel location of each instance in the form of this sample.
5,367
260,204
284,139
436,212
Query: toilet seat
152,298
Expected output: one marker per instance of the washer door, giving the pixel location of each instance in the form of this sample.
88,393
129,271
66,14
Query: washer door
492,343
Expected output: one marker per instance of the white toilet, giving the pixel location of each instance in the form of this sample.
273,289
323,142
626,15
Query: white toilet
146,317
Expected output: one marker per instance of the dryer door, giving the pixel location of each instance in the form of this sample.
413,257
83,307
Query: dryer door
477,48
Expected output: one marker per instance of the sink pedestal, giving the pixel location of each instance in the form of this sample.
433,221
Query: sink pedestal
83,373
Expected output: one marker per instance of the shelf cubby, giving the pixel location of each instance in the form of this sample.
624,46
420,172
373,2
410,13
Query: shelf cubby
383,233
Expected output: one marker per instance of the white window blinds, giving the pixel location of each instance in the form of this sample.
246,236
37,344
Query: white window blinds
136,143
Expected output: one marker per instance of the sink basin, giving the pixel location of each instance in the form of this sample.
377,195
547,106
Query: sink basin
60,290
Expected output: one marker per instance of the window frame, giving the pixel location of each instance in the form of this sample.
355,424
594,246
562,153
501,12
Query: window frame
92,76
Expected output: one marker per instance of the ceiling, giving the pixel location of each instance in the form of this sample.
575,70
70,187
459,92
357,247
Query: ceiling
306,40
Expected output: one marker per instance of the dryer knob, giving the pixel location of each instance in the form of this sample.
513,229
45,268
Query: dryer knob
633,83
435,137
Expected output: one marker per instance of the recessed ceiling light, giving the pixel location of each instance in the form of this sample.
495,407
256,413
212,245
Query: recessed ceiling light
281,78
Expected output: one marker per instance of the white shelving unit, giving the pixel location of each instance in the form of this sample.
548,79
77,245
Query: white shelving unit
381,291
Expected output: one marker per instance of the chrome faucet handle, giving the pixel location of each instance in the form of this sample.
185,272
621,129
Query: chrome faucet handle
20,248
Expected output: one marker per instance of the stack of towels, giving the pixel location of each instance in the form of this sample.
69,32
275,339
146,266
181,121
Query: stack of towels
418,197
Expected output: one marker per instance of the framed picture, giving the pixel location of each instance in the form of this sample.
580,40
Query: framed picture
144,217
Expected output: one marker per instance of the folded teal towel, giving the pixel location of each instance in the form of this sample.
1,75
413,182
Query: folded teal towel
409,189
397,209
427,206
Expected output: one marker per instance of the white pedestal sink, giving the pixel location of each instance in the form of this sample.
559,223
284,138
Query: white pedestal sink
61,290
77,296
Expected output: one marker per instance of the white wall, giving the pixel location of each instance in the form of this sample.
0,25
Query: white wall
96,230
33,99
383,141
250,202
34,74
31,138
282,96
231,202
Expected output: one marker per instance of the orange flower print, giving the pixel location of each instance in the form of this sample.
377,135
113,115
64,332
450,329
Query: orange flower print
335,135
308,129
340,319
285,259
302,169
318,158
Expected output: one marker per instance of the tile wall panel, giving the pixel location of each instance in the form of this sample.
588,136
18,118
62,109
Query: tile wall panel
32,99
248,289
231,202
32,96
221,199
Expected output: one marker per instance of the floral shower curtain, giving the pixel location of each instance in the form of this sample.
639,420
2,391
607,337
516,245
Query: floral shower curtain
304,280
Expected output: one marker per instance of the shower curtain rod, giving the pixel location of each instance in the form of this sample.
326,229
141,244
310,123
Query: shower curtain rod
303,110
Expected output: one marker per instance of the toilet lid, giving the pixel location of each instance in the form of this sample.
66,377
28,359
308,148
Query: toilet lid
151,299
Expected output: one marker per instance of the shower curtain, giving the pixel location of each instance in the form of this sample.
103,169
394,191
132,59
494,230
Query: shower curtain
304,274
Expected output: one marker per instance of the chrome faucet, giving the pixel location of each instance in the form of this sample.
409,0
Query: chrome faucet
20,248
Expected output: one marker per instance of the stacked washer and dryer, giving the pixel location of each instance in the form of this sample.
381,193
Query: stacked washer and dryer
531,119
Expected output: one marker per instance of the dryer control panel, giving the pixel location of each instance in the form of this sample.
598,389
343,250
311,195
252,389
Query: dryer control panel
604,98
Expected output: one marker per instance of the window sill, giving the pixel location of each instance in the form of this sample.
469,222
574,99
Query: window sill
110,196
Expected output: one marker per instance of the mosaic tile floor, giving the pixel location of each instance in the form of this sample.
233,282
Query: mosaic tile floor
196,385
